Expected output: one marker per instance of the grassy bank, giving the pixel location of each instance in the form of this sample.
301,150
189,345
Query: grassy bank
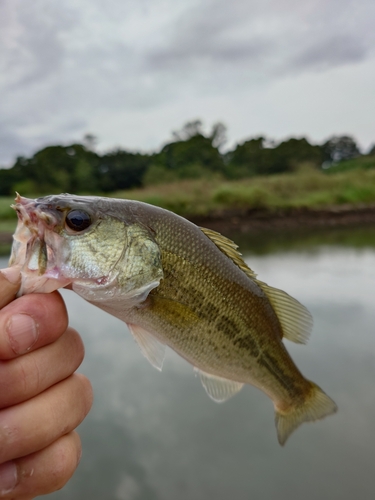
309,189
305,189
8,222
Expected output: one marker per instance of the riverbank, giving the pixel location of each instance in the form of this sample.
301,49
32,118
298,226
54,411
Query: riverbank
304,199
257,221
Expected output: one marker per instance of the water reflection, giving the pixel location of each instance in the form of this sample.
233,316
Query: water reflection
304,239
158,436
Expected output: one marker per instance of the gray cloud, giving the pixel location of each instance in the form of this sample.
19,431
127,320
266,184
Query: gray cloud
336,50
279,37
11,143
65,65
30,35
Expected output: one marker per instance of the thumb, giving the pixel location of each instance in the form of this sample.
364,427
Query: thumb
9,284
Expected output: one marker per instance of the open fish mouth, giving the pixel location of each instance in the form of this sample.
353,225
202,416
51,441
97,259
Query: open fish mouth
34,247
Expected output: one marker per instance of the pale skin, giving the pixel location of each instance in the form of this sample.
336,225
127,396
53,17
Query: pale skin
42,399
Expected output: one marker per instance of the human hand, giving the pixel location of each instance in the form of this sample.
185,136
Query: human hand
42,400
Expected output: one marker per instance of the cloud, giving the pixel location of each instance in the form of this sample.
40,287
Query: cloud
274,38
66,65
333,51
11,142
31,44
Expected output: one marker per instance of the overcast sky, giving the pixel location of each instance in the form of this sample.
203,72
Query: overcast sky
131,71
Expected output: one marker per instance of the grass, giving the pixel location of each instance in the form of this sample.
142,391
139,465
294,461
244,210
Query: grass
362,162
308,189
7,226
7,213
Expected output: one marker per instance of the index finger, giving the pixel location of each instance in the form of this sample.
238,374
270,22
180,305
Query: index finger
9,284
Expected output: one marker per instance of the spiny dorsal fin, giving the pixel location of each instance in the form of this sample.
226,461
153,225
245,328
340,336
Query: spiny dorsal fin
229,248
295,320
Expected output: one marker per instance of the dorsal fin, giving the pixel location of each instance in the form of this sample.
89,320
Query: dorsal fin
295,320
229,248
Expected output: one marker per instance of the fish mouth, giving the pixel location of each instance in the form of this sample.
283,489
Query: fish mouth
35,244
36,216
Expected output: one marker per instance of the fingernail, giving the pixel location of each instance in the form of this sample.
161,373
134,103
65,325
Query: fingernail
23,333
8,477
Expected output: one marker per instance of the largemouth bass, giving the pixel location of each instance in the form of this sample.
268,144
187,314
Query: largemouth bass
175,285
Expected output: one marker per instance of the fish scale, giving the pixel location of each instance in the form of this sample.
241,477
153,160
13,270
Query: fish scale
175,285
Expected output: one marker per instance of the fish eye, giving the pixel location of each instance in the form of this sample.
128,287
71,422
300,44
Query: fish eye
78,220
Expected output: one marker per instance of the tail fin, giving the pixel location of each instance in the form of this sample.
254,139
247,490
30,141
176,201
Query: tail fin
316,406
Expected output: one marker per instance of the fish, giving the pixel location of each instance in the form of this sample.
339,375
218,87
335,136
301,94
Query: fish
175,285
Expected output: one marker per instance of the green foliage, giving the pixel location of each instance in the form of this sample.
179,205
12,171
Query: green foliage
355,194
247,159
254,157
239,196
305,189
7,213
122,170
362,162
55,168
158,174
189,159
182,197
339,148
191,155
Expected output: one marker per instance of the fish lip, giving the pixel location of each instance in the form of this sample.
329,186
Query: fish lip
39,220
36,216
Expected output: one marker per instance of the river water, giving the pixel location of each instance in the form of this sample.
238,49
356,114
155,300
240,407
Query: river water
154,435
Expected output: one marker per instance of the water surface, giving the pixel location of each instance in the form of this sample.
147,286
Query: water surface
154,435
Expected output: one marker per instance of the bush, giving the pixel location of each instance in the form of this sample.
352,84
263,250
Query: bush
239,197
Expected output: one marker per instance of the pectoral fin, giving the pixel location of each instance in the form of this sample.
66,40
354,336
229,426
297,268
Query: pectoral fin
219,389
151,348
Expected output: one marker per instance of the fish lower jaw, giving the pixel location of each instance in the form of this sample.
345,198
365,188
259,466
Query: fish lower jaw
32,283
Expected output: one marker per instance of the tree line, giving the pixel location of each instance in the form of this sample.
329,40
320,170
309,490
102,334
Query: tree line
191,154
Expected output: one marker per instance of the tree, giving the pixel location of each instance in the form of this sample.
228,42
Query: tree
289,154
191,158
189,130
247,159
56,168
338,148
7,180
122,170
90,141
259,156
218,135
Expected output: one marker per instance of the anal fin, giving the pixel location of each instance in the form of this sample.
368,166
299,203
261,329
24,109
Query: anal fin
150,346
219,389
